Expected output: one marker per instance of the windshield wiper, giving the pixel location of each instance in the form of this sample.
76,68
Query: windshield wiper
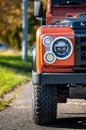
72,2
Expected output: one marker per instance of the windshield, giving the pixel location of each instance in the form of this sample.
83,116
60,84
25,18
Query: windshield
68,2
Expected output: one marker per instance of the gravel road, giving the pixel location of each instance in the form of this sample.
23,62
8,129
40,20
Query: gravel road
71,116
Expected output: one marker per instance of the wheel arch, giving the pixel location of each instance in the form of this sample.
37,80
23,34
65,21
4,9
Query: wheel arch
33,57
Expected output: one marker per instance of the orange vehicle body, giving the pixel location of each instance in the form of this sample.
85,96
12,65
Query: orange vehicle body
59,65
52,14
58,57
58,12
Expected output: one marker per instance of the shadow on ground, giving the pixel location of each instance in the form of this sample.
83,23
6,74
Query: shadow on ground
70,123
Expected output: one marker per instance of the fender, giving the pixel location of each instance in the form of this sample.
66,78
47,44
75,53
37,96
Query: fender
33,57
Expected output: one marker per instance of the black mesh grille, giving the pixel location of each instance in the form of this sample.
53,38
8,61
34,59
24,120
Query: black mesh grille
80,50
83,49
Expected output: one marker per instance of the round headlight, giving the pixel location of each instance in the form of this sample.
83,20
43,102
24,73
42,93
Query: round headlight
49,58
62,47
47,40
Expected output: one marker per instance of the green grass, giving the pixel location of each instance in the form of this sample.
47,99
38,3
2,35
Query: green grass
13,71
4,104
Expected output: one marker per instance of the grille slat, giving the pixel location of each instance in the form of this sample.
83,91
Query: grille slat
80,49
83,44
83,49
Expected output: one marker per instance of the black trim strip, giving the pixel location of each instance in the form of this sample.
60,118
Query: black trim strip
58,78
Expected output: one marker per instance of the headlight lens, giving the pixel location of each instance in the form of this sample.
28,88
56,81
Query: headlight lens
62,47
49,57
47,40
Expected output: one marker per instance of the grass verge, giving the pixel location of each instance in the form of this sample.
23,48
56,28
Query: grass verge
10,96
5,103
13,71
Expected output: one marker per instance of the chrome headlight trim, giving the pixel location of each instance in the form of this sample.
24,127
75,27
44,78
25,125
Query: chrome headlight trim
47,40
49,57
68,52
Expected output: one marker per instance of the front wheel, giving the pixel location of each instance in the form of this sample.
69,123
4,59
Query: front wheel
44,104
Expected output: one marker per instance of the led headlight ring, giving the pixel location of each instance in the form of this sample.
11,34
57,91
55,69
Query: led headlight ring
62,48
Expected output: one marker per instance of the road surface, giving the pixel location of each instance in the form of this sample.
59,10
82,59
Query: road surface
71,116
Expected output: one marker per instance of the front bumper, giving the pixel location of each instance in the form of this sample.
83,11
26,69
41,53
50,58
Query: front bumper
58,78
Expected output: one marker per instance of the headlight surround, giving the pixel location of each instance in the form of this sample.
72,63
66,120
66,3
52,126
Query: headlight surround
62,48
49,57
47,40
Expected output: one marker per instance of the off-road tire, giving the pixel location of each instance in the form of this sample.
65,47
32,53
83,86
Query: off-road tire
44,104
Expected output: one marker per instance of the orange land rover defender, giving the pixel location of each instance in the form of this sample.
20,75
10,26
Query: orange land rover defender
58,57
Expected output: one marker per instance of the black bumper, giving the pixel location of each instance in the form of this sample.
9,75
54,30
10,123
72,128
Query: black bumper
58,78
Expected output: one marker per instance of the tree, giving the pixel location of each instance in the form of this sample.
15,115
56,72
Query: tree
10,21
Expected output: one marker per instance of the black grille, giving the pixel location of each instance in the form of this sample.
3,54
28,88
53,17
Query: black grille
80,49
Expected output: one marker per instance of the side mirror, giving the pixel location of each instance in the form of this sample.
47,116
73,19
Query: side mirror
38,9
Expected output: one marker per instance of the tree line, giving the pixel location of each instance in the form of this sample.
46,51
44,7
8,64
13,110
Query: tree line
11,23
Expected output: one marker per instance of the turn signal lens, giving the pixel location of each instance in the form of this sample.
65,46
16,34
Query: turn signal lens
49,58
